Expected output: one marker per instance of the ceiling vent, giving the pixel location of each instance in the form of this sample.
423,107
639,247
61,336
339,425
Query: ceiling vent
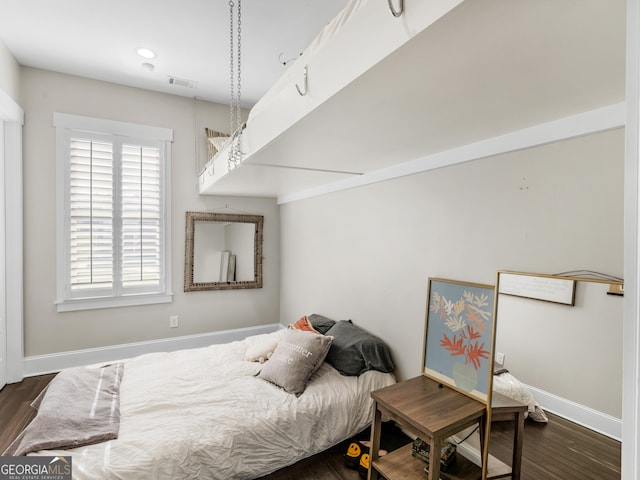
181,82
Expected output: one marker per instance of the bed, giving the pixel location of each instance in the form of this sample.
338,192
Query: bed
420,90
362,35
209,413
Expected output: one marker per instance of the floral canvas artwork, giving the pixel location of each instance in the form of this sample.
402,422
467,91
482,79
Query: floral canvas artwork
459,335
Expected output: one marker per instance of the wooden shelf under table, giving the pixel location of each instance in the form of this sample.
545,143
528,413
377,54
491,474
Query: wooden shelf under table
401,464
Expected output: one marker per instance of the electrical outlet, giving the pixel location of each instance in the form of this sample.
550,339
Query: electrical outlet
173,321
500,358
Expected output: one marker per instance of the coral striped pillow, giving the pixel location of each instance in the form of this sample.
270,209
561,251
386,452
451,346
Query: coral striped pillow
303,324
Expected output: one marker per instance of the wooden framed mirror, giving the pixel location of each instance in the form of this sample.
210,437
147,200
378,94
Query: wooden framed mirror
222,251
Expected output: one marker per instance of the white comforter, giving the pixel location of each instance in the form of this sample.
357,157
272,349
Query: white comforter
508,385
201,413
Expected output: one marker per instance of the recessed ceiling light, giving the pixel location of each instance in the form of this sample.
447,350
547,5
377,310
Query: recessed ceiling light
150,67
146,53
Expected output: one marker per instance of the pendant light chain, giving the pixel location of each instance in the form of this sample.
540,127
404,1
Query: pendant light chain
239,117
235,57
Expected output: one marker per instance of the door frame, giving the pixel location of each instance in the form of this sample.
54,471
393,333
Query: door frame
3,300
13,118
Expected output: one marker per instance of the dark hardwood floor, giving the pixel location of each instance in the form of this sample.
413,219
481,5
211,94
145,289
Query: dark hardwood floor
15,408
559,450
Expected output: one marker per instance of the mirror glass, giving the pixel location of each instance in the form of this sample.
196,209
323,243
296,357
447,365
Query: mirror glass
222,251
562,349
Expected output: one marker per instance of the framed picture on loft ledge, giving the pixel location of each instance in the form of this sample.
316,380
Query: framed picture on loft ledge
460,336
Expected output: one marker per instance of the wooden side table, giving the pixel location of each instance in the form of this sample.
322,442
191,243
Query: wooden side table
434,413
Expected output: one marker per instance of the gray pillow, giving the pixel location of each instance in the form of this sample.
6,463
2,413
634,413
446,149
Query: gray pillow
321,323
354,351
298,355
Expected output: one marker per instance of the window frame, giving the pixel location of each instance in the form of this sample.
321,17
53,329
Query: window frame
68,126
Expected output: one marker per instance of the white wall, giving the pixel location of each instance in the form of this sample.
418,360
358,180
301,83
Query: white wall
46,331
9,73
366,253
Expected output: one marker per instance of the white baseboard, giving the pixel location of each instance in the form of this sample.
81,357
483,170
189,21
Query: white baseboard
54,362
585,416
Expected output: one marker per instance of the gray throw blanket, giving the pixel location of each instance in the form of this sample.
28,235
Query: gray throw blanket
80,406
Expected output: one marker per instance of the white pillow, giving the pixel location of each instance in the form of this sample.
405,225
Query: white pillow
261,350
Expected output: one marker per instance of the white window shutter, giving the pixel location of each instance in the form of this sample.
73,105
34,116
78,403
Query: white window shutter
91,215
141,219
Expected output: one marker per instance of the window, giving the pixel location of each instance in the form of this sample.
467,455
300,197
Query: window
113,213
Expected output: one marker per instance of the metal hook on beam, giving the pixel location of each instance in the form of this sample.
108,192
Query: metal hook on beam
306,83
394,12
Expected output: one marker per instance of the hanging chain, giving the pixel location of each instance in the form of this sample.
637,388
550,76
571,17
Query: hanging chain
238,113
235,115
231,71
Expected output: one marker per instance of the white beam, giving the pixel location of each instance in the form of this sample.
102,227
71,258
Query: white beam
593,121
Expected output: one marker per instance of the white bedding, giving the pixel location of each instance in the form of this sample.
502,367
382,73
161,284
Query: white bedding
508,385
201,413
